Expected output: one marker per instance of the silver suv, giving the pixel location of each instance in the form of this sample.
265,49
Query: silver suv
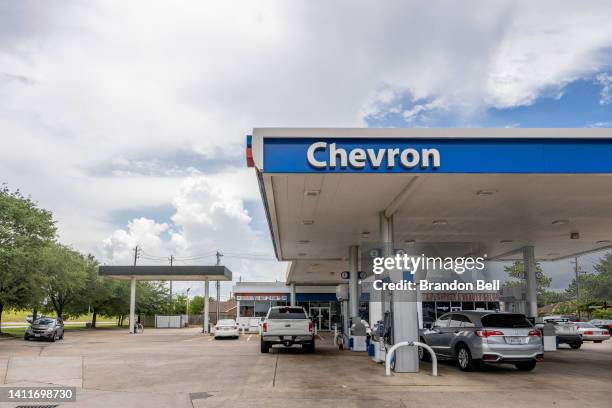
475,337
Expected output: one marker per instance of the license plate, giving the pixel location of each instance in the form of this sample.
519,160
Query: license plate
514,340
287,337
37,335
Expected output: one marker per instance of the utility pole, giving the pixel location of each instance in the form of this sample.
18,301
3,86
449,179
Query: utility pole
171,305
218,303
137,251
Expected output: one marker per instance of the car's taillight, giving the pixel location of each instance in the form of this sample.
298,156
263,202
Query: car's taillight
310,326
589,332
264,327
488,333
534,333
605,332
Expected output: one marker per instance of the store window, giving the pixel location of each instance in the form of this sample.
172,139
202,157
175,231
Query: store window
467,305
480,305
261,308
247,308
493,305
441,308
429,313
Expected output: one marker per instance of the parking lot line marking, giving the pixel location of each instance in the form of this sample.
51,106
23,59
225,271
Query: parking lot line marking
249,338
211,339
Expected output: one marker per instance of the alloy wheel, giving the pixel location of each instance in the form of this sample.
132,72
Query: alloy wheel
463,357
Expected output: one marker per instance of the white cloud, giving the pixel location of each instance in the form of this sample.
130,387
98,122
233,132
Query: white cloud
605,80
209,215
119,85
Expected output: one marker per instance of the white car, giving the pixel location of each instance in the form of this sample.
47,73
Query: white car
590,332
226,328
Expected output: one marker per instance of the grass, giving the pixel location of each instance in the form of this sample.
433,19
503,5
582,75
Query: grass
19,316
19,331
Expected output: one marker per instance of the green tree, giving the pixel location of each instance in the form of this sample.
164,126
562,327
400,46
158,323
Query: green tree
595,289
180,304
196,305
98,294
25,229
517,272
65,278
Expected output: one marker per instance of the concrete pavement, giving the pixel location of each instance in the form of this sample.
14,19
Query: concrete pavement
183,368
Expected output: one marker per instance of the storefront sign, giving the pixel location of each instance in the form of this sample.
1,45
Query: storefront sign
451,155
451,297
275,297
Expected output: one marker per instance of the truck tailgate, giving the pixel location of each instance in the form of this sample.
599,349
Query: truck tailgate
287,327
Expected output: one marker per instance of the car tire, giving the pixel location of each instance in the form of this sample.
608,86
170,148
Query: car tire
575,346
526,365
62,336
26,337
465,360
265,347
423,354
53,338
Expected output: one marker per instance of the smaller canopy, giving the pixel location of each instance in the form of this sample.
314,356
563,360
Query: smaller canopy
166,272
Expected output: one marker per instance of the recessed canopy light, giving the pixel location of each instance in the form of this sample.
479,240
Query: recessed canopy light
312,193
365,234
485,193
505,241
302,254
575,235
409,241
332,273
307,222
604,241
303,241
560,222
440,222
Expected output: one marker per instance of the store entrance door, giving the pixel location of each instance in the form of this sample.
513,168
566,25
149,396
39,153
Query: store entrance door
321,317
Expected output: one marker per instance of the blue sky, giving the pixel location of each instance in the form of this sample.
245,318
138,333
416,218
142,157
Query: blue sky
578,104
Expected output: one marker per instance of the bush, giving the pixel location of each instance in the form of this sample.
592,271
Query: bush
602,314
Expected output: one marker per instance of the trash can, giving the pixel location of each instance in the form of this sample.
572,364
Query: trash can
550,337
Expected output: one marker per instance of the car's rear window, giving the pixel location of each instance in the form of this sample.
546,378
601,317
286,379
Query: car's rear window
226,322
585,325
506,321
287,313
43,321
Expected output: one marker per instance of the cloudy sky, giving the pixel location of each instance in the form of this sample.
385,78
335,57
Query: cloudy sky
127,118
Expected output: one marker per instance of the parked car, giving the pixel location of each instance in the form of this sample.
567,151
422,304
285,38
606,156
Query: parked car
476,337
565,330
45,328
287,325
591,332
602,324
226,328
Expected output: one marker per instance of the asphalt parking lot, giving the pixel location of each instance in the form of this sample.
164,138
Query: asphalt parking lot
183,368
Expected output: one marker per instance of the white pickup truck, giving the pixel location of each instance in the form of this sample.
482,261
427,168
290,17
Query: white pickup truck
287,325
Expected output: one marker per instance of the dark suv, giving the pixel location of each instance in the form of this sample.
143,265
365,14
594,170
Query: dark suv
476,337
45,328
